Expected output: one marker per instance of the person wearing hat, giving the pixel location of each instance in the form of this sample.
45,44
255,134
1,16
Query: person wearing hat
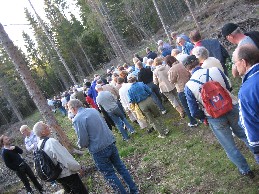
234,34
222,126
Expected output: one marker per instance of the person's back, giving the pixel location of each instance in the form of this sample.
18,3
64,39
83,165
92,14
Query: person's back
145,75
107,101
200,75
151,55
94,133
212,62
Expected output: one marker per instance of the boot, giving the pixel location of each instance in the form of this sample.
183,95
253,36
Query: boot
181,111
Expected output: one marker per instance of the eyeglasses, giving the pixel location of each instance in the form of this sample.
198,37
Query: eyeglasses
237,61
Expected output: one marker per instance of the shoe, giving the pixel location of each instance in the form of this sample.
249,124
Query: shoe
163,112
182,115
192,125
250,174
161,136
150,130
132,132
166,131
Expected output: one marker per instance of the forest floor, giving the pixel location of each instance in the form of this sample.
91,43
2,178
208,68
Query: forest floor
189,160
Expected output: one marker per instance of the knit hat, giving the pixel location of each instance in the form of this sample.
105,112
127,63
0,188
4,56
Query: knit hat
190,59
228,29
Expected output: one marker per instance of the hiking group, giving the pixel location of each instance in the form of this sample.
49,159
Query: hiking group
192,75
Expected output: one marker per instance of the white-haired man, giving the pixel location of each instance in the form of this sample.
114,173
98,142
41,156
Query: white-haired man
30,139
69,177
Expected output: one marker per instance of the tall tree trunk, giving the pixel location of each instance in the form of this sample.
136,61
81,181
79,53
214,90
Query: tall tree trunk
162,21
87,58
53,45
108,28
10,100
191,11
79,68
34,91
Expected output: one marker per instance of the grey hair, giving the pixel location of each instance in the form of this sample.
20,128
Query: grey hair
200,52
175,52
37,128
23,127
74,103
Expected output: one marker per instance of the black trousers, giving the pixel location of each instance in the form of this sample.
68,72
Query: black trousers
24,171
72,184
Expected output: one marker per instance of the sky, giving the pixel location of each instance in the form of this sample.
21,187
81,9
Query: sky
12,17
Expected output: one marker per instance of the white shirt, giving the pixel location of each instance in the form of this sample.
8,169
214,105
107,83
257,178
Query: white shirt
123,92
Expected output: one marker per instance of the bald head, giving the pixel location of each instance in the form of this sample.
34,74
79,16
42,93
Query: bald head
245,57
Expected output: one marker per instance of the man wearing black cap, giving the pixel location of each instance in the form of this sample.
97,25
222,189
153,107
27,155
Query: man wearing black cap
224,125
234,34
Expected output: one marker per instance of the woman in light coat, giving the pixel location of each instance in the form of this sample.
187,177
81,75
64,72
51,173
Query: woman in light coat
160,77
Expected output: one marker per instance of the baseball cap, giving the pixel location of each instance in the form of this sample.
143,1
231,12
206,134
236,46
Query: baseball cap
228,29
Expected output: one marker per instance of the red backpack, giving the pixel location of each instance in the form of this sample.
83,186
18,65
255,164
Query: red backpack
215,98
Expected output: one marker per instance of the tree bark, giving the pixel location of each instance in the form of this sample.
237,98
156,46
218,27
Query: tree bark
34,91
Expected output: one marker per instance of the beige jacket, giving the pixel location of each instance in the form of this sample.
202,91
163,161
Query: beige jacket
179,76
160,78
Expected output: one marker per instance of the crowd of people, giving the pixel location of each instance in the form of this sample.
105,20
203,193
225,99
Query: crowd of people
175,73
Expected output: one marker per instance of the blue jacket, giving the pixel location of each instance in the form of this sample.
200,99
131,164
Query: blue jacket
187,48
249,106
138,92
216,50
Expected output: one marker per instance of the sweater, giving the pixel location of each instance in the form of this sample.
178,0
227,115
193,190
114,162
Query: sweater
12,158
160,78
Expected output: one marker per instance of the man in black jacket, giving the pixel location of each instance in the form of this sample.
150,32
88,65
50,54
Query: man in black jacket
13,160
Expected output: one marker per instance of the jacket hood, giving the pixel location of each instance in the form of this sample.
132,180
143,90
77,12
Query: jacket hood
160,68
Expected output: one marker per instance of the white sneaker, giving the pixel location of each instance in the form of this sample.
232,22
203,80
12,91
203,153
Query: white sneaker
192,125
166,131
161,136
163,112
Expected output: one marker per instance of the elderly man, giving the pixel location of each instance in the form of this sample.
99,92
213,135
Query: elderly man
246,59
164,45
234,34
94,134
69,177
140,94
30,140
224,125
186,46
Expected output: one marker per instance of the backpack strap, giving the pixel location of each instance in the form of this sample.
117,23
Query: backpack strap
43,143
199,82
207,75
194,80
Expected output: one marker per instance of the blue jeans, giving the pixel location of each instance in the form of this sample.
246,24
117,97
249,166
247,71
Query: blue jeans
108,159
120,119
221,127
156,95
183,100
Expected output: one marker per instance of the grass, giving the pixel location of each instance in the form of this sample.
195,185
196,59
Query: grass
189,160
